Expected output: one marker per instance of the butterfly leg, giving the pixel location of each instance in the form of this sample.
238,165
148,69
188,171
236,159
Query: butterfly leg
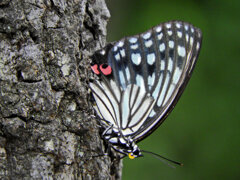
106,135
107,132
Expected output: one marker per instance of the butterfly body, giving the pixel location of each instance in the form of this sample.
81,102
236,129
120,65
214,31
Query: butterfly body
140,80
120,143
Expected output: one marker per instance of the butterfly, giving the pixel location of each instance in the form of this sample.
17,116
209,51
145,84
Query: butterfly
140,79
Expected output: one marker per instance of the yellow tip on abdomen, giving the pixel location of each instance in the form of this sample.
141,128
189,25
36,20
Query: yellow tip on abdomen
131,156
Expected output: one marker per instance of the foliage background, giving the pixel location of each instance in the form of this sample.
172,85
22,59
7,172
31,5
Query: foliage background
203,131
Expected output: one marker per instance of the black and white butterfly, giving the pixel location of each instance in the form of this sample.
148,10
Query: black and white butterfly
140,81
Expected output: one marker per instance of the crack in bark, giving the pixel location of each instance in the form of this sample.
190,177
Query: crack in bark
21,79
55,8
90,25
16,116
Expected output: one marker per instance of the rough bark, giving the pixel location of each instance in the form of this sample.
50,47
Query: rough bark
47,127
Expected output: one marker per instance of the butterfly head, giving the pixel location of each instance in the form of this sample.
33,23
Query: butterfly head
99,63
101,56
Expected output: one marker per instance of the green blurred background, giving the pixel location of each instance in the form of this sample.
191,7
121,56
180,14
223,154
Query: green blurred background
203,131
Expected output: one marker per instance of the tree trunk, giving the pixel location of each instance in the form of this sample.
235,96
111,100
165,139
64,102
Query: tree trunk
47,126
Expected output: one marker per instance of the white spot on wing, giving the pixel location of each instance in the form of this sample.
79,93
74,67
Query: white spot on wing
122,52
160,36
148,43
187,37
169,32
158,29
171,44
168,25
136,58
162,65
151,58
191,41
120,44
178,25
162,47
134,46
181,51
179,33
170,64
146,35
117,57
151,80
133,40
186,27
121,78
127,73
192,30
140,83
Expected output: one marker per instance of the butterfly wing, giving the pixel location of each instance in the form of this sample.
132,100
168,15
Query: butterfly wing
124,109
160,62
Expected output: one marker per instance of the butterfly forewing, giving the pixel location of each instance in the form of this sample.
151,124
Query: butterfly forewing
160,62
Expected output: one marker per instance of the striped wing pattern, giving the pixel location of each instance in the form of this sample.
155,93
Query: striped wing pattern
126,109
150,72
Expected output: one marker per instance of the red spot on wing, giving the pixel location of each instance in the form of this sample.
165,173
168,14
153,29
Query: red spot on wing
95,69
105,69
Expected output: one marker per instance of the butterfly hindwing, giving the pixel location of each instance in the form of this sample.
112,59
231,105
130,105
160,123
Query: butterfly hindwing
125,110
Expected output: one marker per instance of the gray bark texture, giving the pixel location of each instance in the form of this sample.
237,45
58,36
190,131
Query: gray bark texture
47,125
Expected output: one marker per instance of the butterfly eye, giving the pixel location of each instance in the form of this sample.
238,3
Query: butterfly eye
95,69
106,69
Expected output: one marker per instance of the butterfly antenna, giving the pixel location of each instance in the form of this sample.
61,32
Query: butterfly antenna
163,159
